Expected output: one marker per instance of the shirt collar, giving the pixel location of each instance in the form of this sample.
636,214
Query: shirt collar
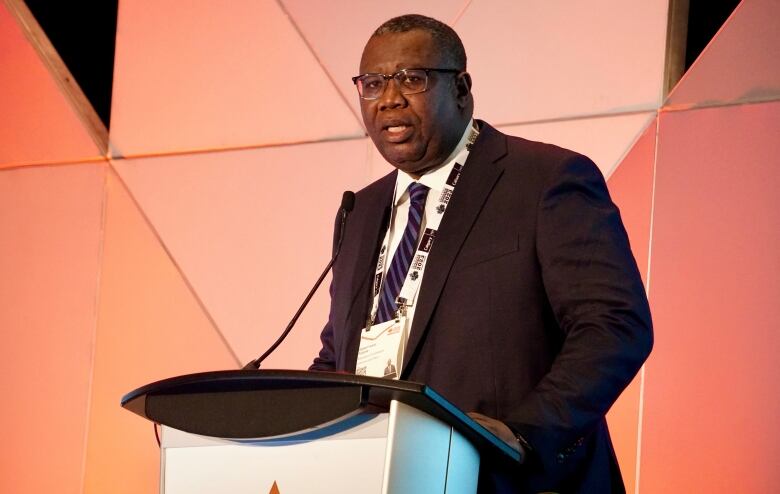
434,178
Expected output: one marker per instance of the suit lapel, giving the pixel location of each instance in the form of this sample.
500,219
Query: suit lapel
479,176
374,217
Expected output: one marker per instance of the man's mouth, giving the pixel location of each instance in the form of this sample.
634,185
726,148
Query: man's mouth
397,133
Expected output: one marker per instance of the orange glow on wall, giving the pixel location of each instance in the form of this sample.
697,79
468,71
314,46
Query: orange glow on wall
631,188
714,291
150,326
37,123
50,235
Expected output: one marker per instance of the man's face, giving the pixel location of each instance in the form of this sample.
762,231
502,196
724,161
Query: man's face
414,132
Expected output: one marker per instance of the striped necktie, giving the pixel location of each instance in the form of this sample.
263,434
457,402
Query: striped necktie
404,253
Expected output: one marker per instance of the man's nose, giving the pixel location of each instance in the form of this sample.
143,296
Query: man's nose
392,97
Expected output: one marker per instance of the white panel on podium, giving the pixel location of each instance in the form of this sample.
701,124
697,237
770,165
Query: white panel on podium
194,464
405,451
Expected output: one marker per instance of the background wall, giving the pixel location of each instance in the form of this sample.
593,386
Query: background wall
174,243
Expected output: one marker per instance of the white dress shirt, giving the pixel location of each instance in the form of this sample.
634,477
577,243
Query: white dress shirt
434,179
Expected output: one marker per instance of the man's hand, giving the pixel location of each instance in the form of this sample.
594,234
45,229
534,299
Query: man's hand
500,430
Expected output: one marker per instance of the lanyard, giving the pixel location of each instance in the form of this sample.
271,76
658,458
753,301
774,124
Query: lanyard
416,269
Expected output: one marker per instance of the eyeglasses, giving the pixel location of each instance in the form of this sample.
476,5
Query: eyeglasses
410,81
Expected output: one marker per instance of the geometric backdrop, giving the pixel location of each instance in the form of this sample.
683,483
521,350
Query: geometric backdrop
174,244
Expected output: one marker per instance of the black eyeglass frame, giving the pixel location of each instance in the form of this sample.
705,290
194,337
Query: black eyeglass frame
388,77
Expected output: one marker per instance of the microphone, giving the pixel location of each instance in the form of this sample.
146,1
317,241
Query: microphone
347,204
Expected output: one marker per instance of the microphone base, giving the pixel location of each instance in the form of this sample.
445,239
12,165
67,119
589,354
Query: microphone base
251,365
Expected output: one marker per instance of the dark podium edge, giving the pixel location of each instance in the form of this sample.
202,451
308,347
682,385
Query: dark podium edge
192,403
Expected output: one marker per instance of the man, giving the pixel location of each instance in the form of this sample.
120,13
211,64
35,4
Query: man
390,371
522,303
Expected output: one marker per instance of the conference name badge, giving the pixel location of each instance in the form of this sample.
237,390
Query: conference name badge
380,349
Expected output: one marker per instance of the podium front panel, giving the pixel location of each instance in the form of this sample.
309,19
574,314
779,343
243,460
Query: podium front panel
348,461
404,452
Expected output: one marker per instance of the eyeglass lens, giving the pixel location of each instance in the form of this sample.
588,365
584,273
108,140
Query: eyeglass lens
410,81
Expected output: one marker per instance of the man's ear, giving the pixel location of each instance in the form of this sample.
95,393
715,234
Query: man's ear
463,89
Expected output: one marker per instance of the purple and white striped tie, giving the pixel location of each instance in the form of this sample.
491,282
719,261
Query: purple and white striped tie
404,253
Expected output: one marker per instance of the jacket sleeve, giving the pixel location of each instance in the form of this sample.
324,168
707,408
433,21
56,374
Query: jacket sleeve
326,360
596,295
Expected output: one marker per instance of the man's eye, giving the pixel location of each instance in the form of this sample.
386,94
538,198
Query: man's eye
372,84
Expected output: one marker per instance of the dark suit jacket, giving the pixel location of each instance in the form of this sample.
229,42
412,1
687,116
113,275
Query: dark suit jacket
531,308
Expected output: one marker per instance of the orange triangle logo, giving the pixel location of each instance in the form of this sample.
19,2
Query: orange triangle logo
274,489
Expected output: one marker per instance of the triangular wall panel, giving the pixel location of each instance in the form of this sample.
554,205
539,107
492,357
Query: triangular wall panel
252,230
550,60
150,327
218,75
50,237
604,139
37,122
711,382
741,62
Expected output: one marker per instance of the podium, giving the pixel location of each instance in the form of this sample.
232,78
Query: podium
279,431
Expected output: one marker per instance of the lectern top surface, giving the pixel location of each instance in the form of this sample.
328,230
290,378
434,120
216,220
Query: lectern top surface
245,404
